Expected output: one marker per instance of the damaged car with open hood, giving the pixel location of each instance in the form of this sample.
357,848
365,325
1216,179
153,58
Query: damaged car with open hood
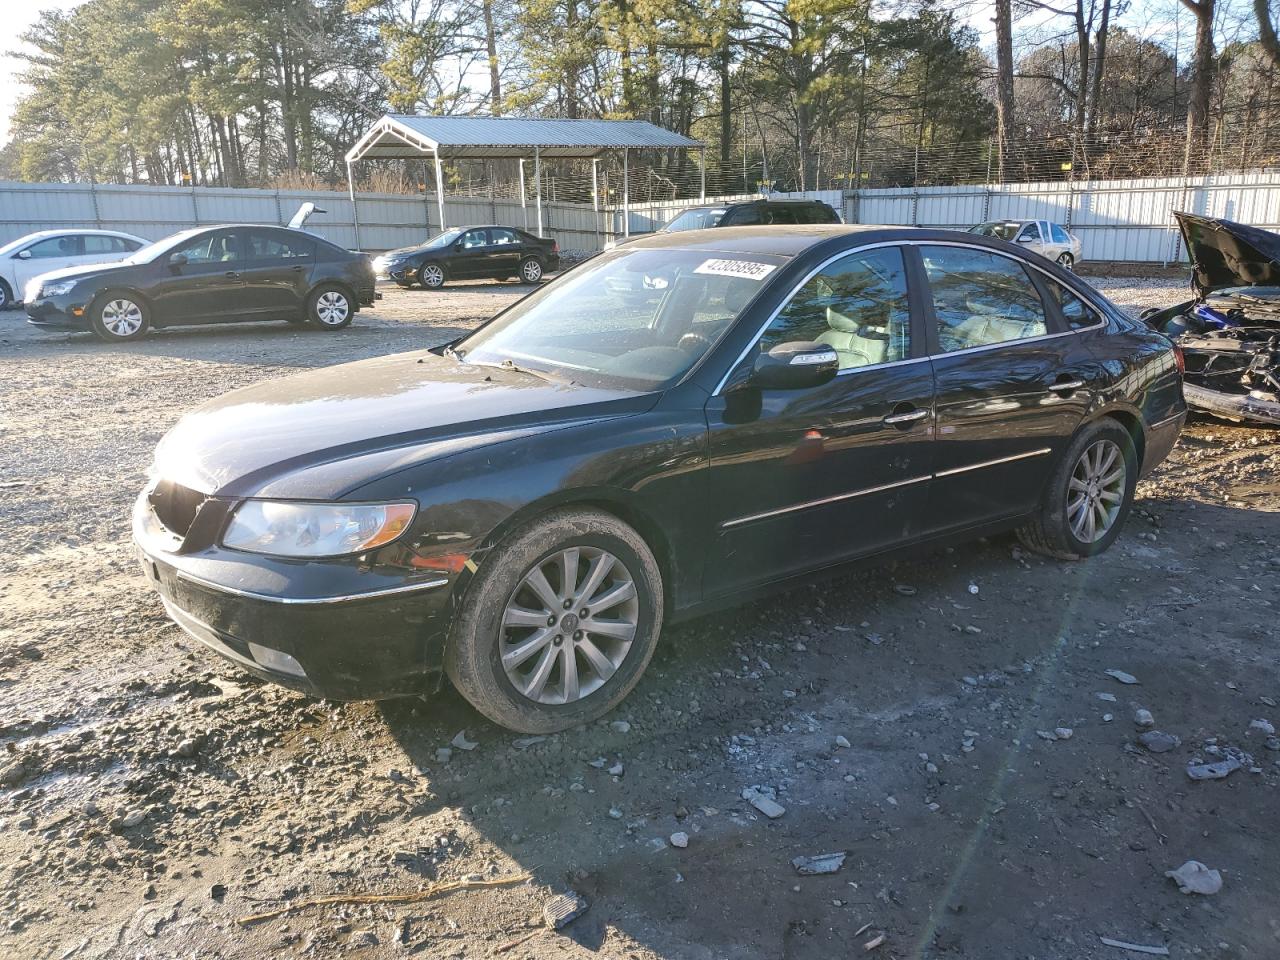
1229,333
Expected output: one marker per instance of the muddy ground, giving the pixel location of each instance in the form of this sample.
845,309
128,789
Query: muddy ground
157,796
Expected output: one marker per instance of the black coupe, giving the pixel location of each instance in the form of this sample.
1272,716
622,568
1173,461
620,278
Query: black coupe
219,274
686,420
471,253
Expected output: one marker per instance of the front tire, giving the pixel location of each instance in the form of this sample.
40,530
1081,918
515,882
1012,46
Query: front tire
559,624
431,276
1088,496
117,317
6,296
329,308
531,270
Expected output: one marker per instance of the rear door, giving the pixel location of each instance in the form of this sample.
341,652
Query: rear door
505,252
1013,383
276,272
208,286
807,478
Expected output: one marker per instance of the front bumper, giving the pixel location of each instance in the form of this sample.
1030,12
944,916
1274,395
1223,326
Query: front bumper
322,628
64,313
400,271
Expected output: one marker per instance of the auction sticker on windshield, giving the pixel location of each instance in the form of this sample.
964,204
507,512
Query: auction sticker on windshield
746,269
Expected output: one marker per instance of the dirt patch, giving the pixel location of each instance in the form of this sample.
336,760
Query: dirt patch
154,795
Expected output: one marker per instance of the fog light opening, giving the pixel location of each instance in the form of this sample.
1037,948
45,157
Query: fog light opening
276,660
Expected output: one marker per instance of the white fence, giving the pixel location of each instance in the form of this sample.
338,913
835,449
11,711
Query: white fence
1128,220
385,220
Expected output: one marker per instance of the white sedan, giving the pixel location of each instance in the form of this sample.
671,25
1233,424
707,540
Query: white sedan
27,257
1043,236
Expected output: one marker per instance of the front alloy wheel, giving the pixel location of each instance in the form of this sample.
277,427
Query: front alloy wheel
569,625
119,317
431,276
559,622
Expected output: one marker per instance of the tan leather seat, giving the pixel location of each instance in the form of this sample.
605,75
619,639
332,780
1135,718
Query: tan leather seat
982,329
853,349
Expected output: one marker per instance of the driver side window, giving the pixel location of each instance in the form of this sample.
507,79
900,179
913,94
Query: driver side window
858,304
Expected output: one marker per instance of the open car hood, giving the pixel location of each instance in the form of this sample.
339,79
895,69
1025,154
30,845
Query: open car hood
1228,254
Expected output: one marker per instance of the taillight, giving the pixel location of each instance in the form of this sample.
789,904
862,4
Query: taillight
1179,359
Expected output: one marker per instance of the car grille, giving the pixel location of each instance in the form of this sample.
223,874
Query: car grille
176,506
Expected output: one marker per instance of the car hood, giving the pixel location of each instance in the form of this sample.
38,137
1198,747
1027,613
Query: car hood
320,434
1228,254
404,252
85,270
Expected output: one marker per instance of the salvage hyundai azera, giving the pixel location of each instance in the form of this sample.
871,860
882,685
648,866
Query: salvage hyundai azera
685,420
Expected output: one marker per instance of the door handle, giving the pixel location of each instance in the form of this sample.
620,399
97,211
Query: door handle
232,275
910,416
298,269
1066,386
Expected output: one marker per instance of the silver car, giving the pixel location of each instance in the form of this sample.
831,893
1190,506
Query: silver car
1045,237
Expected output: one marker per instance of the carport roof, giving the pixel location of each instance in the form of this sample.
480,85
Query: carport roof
401,136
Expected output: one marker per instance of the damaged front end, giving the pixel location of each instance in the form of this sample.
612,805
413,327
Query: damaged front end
1230,333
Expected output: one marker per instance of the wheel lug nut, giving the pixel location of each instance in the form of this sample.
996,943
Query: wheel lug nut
568,604
551,621
577,635
584,613
558,640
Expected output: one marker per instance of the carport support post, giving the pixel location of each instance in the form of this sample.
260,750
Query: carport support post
355,207
626,195
537,185
440,188
524,206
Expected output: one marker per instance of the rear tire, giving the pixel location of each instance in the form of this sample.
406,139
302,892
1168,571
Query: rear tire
531,270
572,671
1085,503
117,316
329,307
1066,261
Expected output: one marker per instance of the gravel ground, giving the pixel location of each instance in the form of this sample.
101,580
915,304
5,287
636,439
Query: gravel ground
151,797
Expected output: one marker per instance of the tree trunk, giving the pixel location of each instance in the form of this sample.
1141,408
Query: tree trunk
1267,31
726,112
491,50
1004,81
1099,67
1201,80
571,73
1082,68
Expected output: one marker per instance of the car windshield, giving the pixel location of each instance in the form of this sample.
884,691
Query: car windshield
152,250
696,219
1001,230
632,319
443,239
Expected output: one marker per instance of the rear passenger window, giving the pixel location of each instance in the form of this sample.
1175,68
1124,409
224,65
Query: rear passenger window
858,304
1075,311
500,238
95,243
981,298
275,246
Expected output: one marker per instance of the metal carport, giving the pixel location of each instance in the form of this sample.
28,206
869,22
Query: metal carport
406,137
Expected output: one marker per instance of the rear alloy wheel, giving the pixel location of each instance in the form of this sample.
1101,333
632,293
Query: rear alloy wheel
531,270
119,316
329,308
1066,261
559,624
431,276
1089,494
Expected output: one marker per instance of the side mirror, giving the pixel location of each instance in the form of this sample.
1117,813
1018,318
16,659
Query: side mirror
795,366
1026,238
457,244
24,254
177,259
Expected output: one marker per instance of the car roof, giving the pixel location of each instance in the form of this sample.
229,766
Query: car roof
777,240
66,231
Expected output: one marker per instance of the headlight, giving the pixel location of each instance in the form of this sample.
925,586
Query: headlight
57,288
287,529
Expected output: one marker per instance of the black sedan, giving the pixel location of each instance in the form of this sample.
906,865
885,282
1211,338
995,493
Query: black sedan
686,420
209,275
490,252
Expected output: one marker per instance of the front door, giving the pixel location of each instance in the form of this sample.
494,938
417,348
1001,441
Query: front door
805,478
468,256
1013,384
207,286
43,256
